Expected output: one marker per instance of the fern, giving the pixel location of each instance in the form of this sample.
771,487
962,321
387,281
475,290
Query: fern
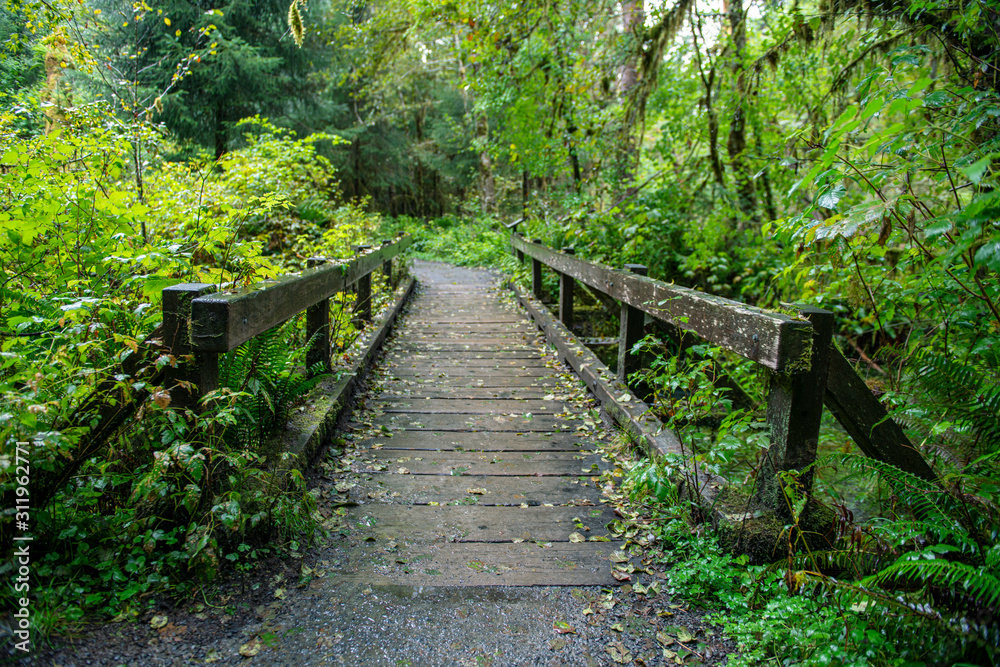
262,372
969,394
976,582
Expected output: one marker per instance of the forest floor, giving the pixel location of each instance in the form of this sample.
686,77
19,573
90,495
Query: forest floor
300,611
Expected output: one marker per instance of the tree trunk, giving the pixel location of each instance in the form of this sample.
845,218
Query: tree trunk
746,195
633,18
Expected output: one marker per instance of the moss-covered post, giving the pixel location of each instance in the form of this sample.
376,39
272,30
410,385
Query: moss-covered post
630,332
794,410
387,265
203,373
566,285
364,302
536,274
318,328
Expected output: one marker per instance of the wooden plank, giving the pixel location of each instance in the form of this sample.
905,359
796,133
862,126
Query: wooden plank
463,321
774,340
473,381
421,363
469,407
476,523
447,489
417,422
419,329
501,464
480,373
428,391
481,441
221,322
486,564
867,422
435,353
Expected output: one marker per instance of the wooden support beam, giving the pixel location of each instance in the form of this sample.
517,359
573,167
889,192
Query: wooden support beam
630,332
318,328
363,305
566,283
203,372
794,410
536,273
387,265
867,422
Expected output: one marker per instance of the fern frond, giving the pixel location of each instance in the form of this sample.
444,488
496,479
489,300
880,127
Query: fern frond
970,395
979,584
925,499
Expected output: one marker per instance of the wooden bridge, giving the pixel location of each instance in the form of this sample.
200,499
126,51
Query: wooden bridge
475,470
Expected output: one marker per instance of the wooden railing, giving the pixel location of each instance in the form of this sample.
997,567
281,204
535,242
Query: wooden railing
199,320
806,370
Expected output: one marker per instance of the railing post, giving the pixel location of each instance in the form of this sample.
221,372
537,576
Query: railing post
364,302
536,275
318,328
177,338
520,253
630,332
566,284
794,410
387,265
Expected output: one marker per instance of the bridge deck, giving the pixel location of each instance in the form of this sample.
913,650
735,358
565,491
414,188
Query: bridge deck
474,466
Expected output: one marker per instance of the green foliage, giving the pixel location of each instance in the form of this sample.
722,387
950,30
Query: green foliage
475,242
262,375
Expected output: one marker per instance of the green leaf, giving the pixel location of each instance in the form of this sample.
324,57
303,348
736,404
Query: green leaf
831,197
977,169
989,255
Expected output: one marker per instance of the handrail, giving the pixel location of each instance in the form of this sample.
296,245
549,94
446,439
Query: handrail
200,321
774,340
222,322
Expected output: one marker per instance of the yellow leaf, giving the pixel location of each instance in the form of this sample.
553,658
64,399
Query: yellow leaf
251,648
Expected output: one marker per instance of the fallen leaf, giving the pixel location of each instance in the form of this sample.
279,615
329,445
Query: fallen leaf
280,593
620,576
618,627
251,648
212,656
618,557
619,653
402,471
158,621
564,628
478,491
577,537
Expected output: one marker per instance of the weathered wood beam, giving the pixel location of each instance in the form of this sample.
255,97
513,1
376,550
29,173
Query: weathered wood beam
794,412
867,421
566,284
221,322
178,304
318,328
777,341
